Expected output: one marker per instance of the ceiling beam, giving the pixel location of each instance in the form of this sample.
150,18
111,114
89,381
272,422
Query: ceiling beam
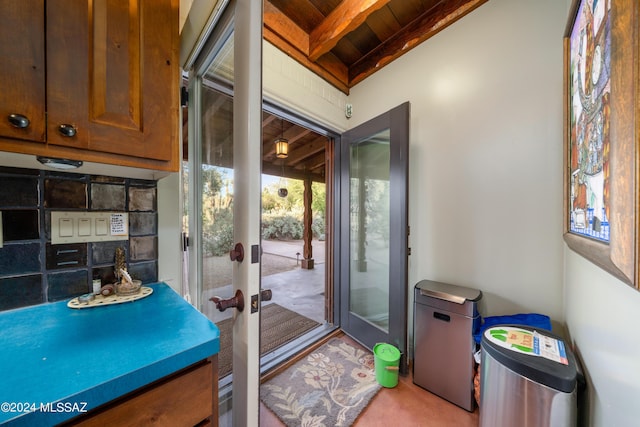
294,133
279,23
348,16
268,119
420,29
305,151
311,163
290,173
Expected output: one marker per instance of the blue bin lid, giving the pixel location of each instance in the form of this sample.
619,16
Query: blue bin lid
537,355
538,321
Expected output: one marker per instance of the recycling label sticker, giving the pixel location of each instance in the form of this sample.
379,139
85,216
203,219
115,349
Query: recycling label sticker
527,342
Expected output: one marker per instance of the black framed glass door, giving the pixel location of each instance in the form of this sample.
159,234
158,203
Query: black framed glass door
374,230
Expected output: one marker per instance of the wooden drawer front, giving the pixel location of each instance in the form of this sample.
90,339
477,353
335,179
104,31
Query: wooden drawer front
185,400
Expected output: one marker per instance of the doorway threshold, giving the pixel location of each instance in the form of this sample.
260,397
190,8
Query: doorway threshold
280,355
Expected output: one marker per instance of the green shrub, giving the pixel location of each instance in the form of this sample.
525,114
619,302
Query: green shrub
282,227
318,227
217,236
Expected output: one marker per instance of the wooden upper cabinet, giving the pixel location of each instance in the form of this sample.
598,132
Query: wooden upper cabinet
112,76
22,70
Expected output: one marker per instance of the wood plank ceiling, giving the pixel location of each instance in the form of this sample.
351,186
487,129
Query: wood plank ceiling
345,41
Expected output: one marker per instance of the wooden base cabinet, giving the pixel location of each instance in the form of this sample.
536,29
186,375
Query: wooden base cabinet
188,398
112,80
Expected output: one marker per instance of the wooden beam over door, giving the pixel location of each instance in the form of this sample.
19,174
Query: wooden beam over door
348,16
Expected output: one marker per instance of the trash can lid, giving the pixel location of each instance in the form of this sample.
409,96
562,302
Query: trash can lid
447,292
539,356
386,352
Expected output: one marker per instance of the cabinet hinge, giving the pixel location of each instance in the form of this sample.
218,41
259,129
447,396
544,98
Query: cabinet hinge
185,242
184,96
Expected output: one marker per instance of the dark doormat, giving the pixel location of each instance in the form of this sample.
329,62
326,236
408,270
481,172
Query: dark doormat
279,326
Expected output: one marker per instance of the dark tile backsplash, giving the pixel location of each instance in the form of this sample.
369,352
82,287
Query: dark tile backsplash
142,223
33,271
20,258
108,197
143,248
65,284
142,198
104,252
145,271
65,193
21,291
20,224
19,191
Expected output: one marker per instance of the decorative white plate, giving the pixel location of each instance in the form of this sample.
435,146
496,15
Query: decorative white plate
100,300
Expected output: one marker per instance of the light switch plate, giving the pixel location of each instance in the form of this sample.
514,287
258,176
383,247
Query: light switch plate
65,227
84,227
81,227
102,226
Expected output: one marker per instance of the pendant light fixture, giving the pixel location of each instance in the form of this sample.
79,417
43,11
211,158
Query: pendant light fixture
282,144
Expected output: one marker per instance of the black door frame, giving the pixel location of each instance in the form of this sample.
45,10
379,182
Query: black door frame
397,121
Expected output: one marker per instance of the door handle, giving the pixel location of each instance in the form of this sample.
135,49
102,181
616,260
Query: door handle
265,295
237,253
236,301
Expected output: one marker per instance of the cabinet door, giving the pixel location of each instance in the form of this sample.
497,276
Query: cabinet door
187,399
112,76
22,70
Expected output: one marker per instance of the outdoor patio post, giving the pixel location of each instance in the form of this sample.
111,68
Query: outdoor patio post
307,233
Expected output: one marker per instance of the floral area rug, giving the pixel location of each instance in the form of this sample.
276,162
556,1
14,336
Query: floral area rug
330,387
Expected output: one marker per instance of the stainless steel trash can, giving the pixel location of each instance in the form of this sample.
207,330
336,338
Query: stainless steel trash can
445,318
528,379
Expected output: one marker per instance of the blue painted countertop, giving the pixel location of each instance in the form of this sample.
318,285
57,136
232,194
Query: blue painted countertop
67,361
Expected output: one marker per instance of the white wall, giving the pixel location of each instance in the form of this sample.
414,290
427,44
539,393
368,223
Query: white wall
486,186
169,231
603,318
289,84
485,153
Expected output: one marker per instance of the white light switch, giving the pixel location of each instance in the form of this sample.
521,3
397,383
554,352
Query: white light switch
78,227
84,227
65,228
102,226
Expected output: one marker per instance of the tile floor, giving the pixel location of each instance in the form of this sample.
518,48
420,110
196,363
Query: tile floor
406,405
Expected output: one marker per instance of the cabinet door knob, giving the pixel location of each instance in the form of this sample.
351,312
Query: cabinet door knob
18,120
67,130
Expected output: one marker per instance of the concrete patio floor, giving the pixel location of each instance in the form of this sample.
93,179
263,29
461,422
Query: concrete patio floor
299,290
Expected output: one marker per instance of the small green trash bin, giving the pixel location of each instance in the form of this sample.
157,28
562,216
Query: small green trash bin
387,361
